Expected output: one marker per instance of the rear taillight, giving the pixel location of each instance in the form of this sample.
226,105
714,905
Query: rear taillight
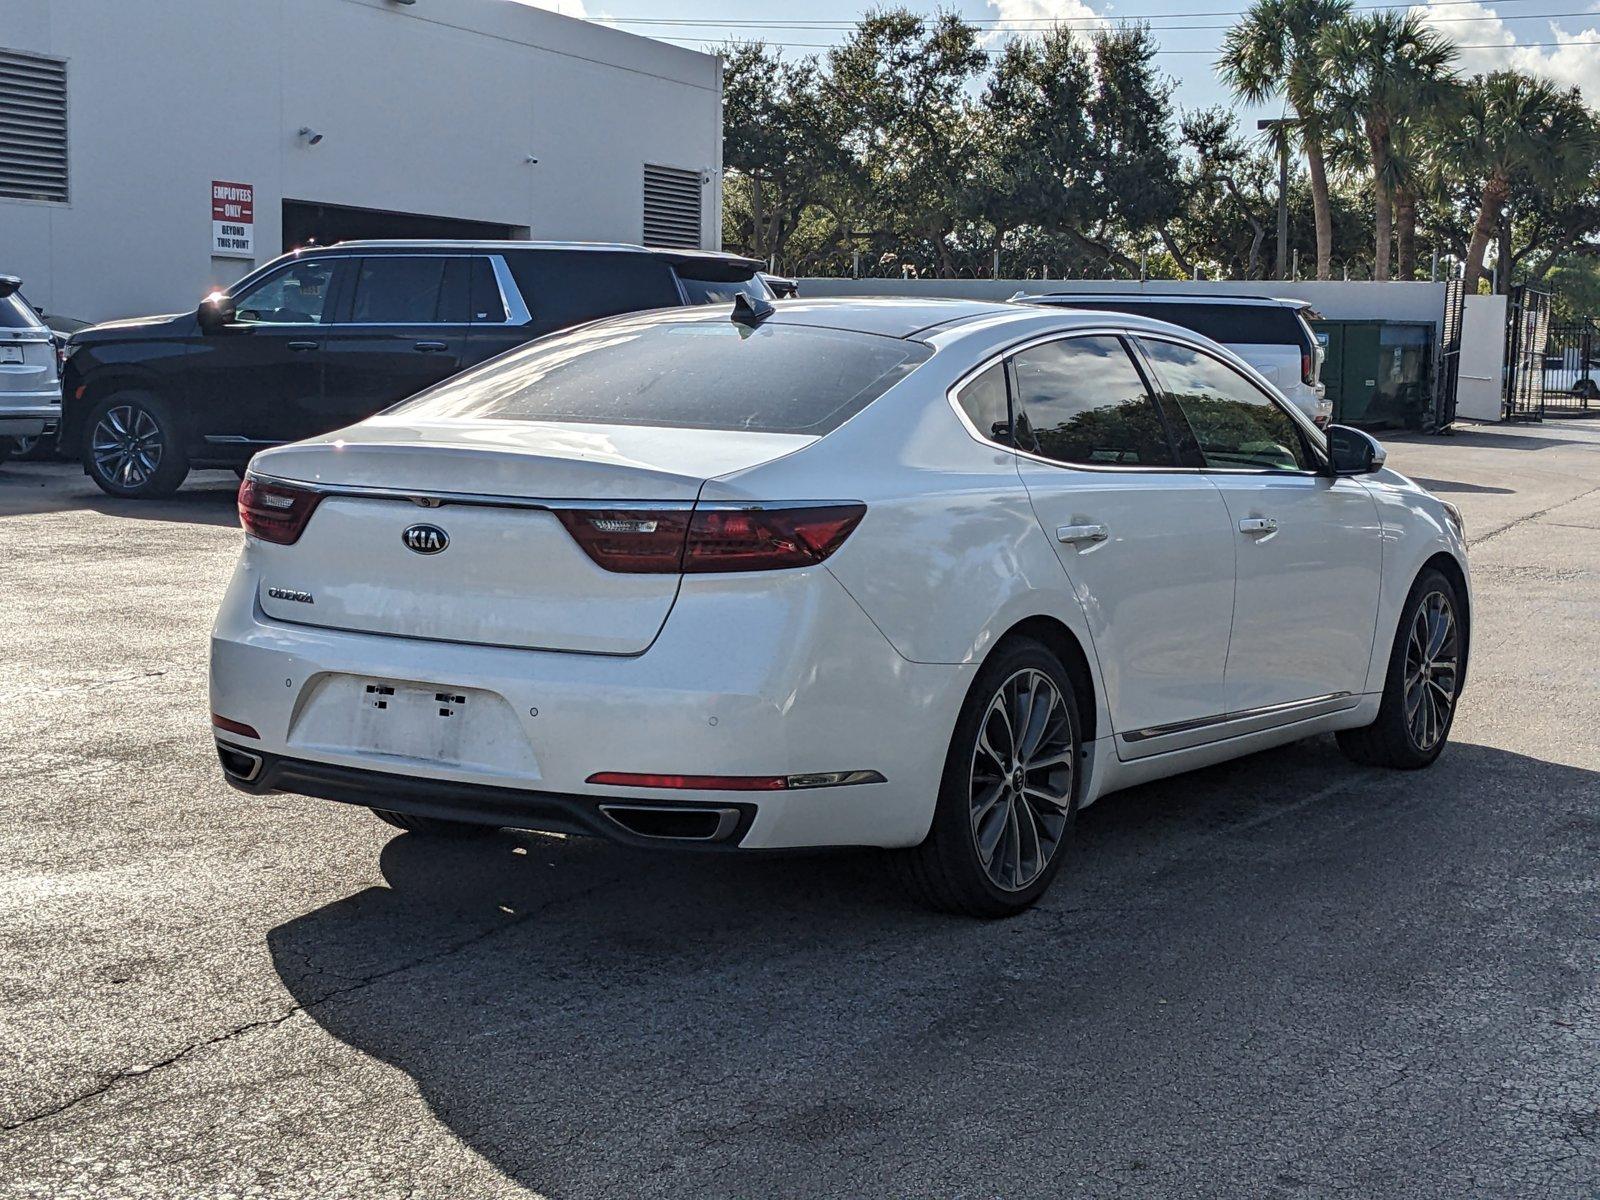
766,538
629,541
1308,368
275,512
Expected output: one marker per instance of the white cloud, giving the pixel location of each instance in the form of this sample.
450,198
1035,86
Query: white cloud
1573,63
567,8
1023,17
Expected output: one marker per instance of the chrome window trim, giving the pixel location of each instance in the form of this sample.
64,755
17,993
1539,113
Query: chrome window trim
511,298
953,392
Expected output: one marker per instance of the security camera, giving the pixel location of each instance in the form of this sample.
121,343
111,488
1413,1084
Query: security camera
311,135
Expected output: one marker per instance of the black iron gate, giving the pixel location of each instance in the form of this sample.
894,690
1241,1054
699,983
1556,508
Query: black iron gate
1527,330
1572,369
1448,377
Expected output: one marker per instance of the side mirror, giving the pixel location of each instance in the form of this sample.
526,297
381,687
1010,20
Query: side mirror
1353,452
216,312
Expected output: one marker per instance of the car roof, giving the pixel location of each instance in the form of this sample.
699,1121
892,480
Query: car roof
491,244
1091,298
889,316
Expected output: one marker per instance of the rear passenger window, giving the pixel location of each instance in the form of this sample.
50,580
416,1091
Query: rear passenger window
398,291
1237,425
984,402
1081,401
567,287
488,307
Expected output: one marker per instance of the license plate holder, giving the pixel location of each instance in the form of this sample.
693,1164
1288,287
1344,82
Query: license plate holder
10,354
438,725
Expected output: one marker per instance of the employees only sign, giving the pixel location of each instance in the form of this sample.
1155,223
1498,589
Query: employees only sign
233,220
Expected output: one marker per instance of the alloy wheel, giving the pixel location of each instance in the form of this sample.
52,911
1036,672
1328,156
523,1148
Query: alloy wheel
1020,785
127,446
1432,670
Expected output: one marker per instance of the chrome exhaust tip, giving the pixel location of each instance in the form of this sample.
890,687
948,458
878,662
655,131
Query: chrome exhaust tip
238,764
674,823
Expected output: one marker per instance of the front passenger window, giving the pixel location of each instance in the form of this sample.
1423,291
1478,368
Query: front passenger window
1237,425
1082,402
296,295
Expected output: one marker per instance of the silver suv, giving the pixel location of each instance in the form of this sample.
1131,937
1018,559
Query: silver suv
30,374
1273,335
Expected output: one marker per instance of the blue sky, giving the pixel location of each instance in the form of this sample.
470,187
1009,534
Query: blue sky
1496,34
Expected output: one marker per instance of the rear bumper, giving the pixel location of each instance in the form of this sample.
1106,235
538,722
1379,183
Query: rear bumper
28,415
751,676
712,826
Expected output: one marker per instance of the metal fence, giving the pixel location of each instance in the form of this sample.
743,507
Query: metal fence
1527,331
1447,378
1572,369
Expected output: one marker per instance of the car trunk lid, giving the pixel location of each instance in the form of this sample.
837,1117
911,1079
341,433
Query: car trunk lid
452,530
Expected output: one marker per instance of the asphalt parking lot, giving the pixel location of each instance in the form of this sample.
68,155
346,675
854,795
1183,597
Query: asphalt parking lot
1282,977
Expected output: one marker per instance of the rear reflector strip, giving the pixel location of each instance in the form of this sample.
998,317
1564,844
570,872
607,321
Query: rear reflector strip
735,783
238,727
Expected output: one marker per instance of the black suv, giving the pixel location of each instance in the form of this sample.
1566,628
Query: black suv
325,336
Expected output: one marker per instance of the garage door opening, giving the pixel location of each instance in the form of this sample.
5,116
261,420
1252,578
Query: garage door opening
306,223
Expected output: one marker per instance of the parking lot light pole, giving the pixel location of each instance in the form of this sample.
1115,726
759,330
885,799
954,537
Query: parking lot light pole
1281,124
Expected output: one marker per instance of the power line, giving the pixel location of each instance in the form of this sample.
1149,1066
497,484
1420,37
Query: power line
1040,22
1214,50
1228,25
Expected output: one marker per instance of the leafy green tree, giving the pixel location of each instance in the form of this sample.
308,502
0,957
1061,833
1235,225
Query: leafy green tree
779,152
1383,69
1515,129
899,85
1276,50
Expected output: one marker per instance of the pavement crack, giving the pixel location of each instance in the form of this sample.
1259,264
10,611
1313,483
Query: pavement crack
145,1070
1533,516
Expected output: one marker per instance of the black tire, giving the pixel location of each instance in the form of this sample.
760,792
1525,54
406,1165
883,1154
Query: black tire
148,423
947,871
432,826
1404,737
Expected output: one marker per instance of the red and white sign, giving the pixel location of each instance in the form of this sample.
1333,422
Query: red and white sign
233,220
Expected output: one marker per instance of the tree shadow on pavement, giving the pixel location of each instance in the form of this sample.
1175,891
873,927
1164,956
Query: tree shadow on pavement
1275,975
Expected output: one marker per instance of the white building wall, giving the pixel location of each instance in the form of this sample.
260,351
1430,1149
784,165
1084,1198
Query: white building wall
431,108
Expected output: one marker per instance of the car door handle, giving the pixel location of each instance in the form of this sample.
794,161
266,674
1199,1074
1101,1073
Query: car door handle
300,346
1071,535
431,347
1258,525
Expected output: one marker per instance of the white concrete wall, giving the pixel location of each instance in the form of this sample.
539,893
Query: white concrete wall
1338,301
428,108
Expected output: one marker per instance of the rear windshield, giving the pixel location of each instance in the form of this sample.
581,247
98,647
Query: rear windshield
699,374
1230,324
722,291
15,313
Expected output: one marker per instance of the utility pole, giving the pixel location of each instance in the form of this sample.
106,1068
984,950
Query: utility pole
1281,124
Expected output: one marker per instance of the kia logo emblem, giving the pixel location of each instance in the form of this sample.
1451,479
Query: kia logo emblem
425,539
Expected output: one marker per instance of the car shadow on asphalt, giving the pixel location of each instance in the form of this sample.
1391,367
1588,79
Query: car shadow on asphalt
207,498
594,1020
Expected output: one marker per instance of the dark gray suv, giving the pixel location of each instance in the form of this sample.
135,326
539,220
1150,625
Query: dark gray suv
326,336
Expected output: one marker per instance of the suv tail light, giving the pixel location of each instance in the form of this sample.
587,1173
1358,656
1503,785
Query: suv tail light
652,541
275,512
1308,368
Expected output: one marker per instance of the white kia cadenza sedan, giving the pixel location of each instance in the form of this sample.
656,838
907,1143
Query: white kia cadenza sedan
923,575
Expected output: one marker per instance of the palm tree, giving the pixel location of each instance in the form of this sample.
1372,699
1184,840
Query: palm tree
1274,50
1384,69
1513,127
